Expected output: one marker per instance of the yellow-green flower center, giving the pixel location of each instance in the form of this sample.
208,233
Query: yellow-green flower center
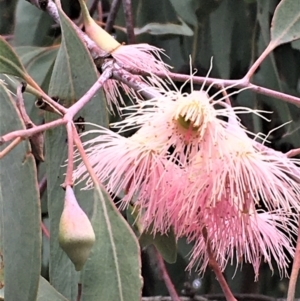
192,111
187,124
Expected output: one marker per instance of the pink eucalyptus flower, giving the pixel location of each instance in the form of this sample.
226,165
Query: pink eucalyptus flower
134,166
139,57
211,182
235,237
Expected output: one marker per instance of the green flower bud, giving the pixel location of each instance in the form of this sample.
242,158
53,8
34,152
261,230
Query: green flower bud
76,235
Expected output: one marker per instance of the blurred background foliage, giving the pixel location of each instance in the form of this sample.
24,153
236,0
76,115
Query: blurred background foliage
234,33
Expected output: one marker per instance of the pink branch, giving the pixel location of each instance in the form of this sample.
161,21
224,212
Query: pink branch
215,267
45,230
257,63
295,271
70,166
220,83
10,147
165,276
29,132
77,106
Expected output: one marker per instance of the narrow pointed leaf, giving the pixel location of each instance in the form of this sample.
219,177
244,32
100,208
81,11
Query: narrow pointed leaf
164,243
19,211
221,24
9,61
161,29
73,74
47,292
32,26
113,270
286,22
38,62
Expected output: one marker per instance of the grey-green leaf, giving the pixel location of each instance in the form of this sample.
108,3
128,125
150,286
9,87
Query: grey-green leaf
165,243
47,292
38,62
113,270
221,24
32,26
286,22
73,74
19,211
186,10
9,61
169,28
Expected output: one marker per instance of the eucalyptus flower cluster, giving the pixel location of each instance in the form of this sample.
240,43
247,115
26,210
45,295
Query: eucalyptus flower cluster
191,166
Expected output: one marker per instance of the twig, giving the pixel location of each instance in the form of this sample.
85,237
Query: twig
79,292
10,146
293,152
258,62
240,297
295,270
36,141
112,15
29,132
217,297
43,97
165,276
127,6
100,11
8,37
83,156
70,166
45,230
93,7
77,106
21,107
52,10
135,83
48,6
70,113
42,185
236,83
216,268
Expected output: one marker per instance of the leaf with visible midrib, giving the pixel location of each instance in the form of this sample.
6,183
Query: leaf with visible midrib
73,74
9,61
286,22
19,210
112,271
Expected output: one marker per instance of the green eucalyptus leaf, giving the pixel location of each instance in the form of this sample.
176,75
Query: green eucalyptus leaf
296,44
186,10
19,210
155,11
169,28
73,74
38,62
32,26
165,243
47,292
9,61
113,270
286,22
221,24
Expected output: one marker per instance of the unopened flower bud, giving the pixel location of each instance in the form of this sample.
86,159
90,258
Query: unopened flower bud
102,38
76,235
